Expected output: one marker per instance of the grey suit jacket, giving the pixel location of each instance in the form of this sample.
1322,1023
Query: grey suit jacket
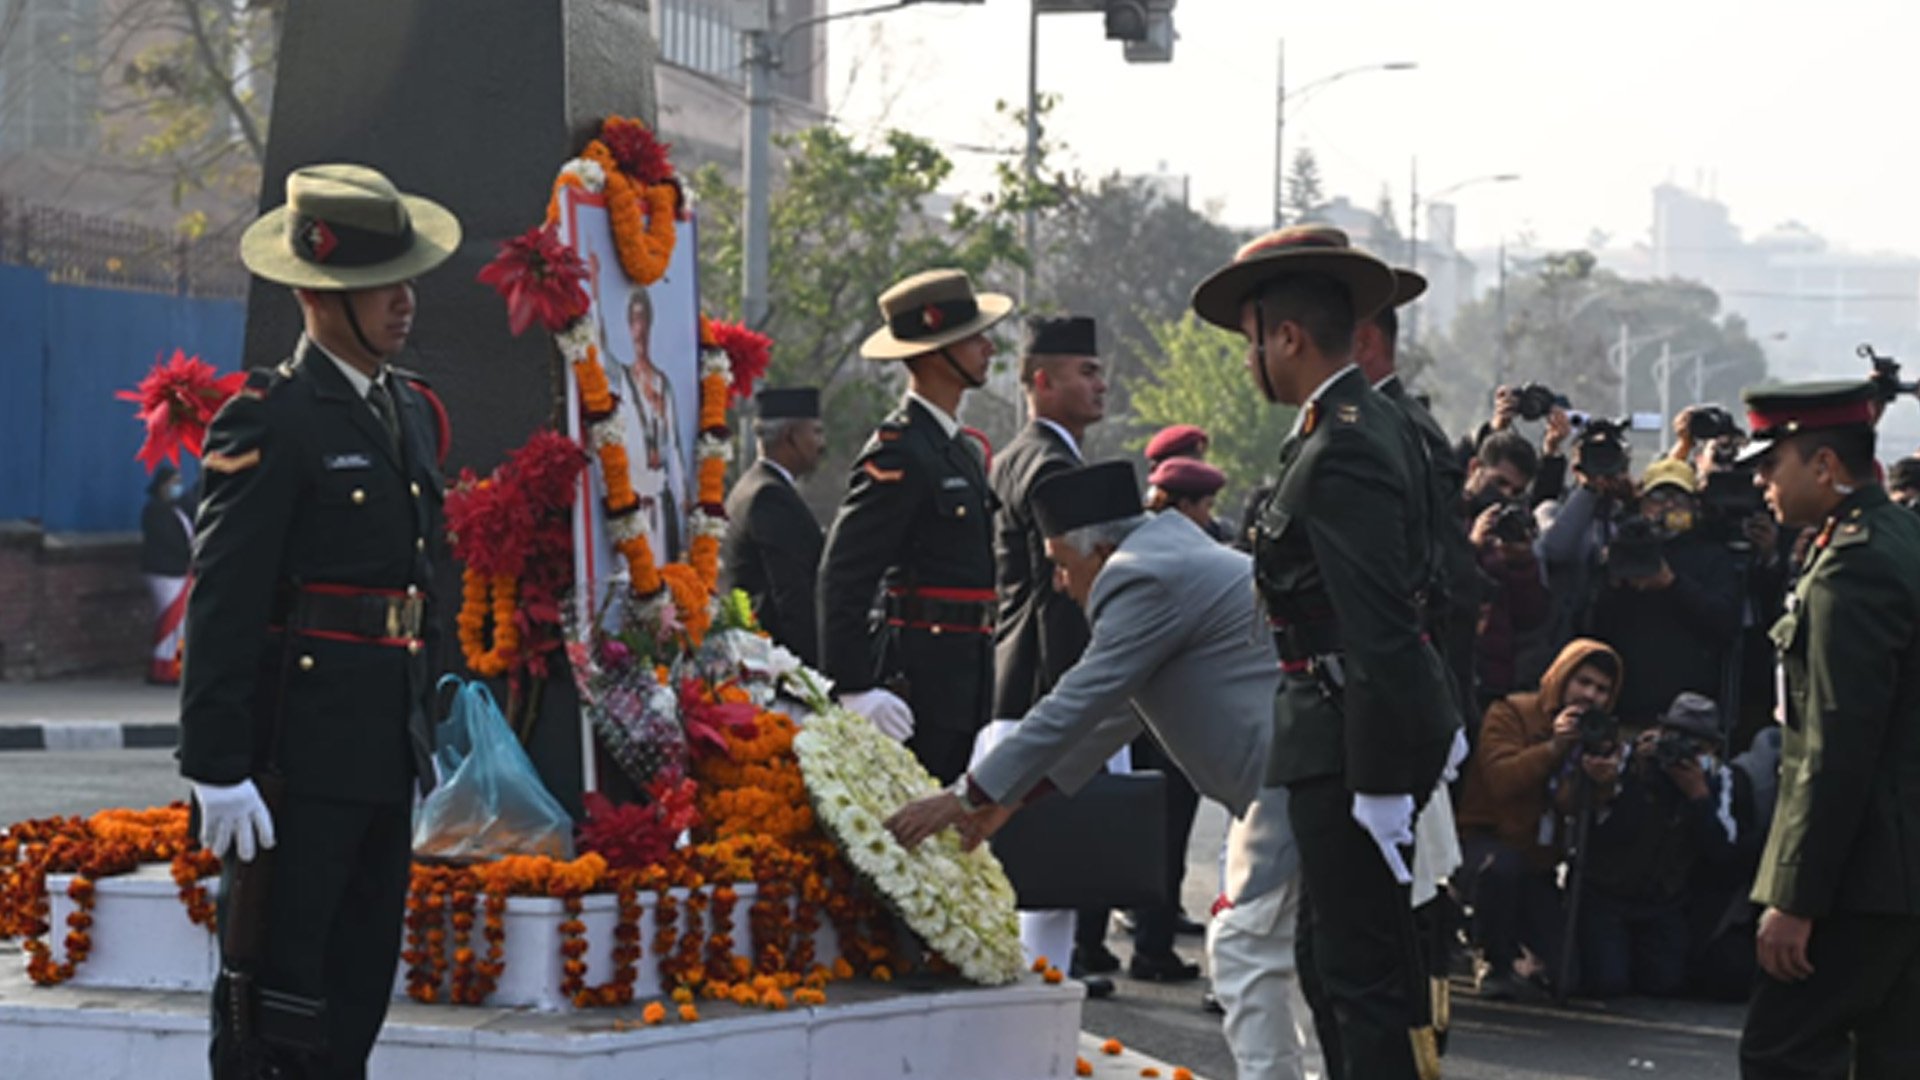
1176,635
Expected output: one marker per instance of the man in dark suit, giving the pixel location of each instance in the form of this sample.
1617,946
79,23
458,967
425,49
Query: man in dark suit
917,521
305,709
1343,550
772,546
1839,941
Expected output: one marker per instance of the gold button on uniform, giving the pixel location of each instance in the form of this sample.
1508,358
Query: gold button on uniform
415,488
413,590
306,663
359,496
420,544
960,511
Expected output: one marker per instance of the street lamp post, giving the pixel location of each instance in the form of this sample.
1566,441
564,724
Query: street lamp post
1299,96
1413,228
765,49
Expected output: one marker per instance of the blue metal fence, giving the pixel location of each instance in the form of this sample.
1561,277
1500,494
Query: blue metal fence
66,444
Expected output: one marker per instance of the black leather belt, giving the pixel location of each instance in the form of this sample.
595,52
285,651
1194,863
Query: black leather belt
371,616
943,610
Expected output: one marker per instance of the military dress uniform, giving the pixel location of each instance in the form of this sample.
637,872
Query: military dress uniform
772,552
310,632
1041,631
1343,551
1844,849
917,522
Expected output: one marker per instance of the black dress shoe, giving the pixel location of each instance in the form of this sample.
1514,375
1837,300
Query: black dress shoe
1184,925
1098,986
1211,1003
1095,961
1168,968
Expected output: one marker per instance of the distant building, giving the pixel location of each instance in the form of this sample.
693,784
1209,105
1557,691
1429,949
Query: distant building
701,78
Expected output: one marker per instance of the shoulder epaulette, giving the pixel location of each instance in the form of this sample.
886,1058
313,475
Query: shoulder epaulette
261,381
1853,529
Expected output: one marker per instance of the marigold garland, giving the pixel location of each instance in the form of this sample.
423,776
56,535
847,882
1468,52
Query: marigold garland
642,216
475,589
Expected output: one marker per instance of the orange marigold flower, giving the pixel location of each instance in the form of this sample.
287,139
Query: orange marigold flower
1183,1073
1040,965
1111,1046
1149,1071
1053,976
689,1013
654,1012
1082,1067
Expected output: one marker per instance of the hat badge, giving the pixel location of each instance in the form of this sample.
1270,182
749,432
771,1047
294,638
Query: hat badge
932,317
319,240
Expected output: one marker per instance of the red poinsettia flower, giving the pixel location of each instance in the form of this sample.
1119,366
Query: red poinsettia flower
748,351
638,153
540,278
707,721
177,401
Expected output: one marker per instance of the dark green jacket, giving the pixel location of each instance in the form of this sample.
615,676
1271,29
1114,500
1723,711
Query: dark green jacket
1846,825
917,514
302,487
1343,551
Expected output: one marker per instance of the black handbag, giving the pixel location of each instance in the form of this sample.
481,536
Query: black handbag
1104,846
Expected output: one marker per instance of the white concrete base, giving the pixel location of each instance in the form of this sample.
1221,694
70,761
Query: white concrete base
142,940
1027,1031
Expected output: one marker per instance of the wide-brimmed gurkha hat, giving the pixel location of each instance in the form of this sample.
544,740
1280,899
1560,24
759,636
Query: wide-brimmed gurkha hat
1780,412
931,310
1296,249
347,227
1408,286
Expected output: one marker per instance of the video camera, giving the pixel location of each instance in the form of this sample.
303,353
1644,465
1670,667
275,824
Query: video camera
1672,748
1635,550
1711,422
1886,375
1599,730
1514,524
1602,447
1535,401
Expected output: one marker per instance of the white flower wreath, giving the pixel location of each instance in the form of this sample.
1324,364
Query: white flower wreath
961,903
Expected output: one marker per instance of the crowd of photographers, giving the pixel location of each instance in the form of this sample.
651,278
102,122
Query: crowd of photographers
1614,806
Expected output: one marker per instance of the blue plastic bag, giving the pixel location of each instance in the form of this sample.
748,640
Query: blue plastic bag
490,802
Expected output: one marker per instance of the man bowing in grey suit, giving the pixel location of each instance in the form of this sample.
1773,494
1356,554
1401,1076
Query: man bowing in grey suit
772,547
1176,646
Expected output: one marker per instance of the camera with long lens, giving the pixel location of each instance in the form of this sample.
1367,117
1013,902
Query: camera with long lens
1535,401
1672,748
1635,551
1598,730
1886,375
1602,447
1514,524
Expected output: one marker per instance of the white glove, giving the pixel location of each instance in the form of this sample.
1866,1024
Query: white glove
1455,755
232,816
1389,820
884,710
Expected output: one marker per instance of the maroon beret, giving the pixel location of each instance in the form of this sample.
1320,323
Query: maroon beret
1180,440
1185,476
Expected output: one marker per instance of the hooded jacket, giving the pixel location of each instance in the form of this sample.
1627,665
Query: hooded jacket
1504,790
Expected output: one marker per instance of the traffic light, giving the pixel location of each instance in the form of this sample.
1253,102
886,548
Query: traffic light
1144,28
1126,20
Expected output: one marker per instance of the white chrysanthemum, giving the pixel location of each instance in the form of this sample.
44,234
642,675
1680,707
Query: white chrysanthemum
592,176
715,362
577,338
705,524
606,433
711,447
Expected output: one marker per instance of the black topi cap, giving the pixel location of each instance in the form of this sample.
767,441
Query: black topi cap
1071,335
793,403
1780,412
1086,496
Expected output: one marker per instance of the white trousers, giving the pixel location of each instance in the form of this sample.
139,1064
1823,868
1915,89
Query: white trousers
1250,953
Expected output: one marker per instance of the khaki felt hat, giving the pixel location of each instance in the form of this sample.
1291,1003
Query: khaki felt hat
931,310
1408,286
347,227
1296,249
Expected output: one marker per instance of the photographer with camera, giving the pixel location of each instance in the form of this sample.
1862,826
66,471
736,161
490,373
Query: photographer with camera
1534,402
1672,601
1508,832
1670,812
1502,532
1903,482
1582,526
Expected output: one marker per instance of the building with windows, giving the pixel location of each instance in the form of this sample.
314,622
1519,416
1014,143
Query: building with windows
701,78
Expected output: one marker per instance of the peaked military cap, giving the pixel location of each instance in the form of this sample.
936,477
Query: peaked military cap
1177,440
788,403
1296,249
1781,412
1085,496
1070,335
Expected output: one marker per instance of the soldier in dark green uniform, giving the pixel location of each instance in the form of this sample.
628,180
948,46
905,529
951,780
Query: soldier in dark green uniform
917,522
304,714
1839,942
1343,552
772,547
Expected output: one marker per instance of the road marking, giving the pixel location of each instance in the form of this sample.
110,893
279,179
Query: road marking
1614,1019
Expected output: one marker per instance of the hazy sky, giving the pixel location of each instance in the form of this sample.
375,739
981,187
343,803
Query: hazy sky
1783,110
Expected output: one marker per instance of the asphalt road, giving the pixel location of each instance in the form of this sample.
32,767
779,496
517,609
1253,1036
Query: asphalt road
1632,1040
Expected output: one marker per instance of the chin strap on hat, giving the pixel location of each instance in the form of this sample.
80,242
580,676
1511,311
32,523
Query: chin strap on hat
965,375
1260,350
353,322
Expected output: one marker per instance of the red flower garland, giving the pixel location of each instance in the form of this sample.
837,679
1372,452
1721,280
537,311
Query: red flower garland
178,399
748,352
540,278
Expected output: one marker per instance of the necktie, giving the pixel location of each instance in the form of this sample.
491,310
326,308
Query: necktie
382,402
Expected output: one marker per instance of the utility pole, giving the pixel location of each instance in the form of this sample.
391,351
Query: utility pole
1413,244
1280,141
755,150
1626,362
1500,320
1029,221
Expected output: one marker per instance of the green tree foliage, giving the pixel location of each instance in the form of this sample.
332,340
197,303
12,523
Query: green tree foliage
1306,193
1563,317
1203,379
846,222
1124,253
